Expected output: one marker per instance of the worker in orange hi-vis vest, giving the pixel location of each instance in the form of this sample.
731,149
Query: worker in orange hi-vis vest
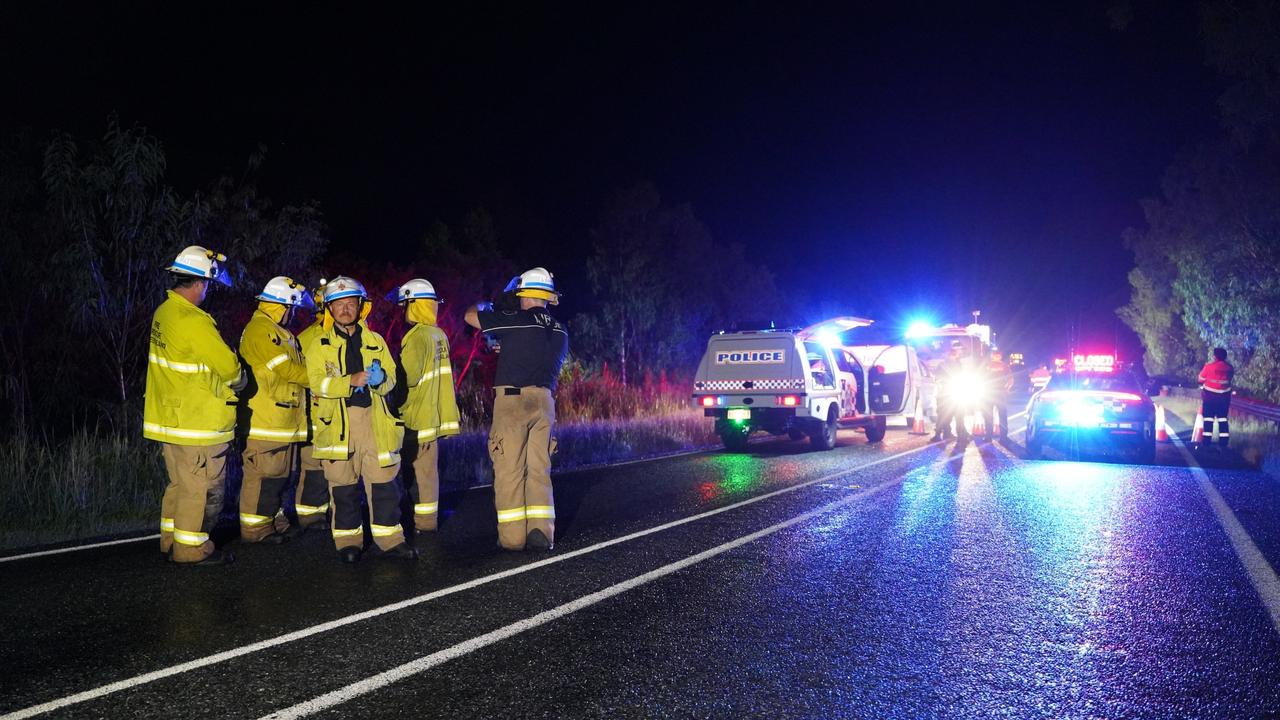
1215,396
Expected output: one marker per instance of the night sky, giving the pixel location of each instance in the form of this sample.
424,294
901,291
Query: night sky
881,160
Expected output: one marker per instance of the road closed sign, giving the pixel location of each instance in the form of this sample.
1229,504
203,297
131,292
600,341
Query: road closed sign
752,357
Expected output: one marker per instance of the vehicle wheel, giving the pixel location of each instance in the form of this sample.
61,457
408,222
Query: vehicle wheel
1035,445
876,430
796,434
824,435
734,440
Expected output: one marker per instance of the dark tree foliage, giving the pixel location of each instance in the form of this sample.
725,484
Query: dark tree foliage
1208,262
661,285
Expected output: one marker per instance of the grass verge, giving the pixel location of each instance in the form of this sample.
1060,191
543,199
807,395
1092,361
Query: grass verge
89,486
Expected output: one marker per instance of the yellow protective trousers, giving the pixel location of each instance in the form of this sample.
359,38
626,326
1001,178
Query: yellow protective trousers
423,480
380,489
312,498
192,499
267,467
520,447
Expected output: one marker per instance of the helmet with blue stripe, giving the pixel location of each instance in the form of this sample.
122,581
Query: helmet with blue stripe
286,291
343,287
415,289
536,283
201,262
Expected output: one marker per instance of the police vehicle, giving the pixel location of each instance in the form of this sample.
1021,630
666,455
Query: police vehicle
1093,401
782,382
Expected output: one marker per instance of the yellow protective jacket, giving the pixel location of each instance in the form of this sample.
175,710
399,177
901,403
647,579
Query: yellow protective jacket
330,381
310,333
431,410
277,410
190,373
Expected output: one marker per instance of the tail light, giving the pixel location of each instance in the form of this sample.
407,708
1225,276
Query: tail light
708,401
790,400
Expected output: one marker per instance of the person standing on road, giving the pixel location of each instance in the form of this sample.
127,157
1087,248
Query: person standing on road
357,438
311,501
950,376
430,410
1000,380
1215,395
190,408
534,347
277,417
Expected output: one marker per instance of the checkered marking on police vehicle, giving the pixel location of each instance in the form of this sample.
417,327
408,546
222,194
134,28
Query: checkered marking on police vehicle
787,384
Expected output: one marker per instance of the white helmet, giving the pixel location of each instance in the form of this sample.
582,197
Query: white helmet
343,286
415,289
202,263
535,283
286,291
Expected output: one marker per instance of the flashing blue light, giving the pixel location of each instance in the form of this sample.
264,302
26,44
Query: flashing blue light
919,328
829,339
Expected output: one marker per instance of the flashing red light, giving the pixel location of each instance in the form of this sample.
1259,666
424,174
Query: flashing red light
790,400
708,401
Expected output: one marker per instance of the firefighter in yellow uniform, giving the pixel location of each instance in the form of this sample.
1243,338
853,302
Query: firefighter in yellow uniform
190,407
277,417
357,438
430,411
534,346
312,498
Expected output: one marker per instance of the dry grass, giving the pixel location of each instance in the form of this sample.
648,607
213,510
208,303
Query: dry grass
1255,439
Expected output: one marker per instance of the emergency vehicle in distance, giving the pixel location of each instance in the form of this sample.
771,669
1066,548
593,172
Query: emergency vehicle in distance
1092,401
784,382
969,392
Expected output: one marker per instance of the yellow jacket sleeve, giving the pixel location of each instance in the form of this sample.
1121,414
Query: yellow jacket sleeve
413,357
210,347
389,365
257,349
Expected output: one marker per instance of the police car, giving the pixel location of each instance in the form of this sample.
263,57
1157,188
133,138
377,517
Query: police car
1093,401
782,382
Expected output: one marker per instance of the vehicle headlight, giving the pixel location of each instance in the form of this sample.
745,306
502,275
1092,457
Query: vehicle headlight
967,389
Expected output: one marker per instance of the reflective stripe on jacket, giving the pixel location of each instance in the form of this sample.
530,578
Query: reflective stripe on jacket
330,382
276,410
431,409
1216,376
190,371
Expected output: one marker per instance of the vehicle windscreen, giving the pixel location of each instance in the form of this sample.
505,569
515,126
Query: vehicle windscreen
1111,382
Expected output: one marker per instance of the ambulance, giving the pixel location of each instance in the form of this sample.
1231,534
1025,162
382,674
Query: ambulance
784,382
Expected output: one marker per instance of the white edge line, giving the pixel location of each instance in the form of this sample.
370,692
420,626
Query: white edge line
74,548
243,650
383,679
1261,574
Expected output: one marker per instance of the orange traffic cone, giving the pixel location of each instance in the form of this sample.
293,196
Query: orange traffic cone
1162,430
917,424
979,425
995,422
1197,432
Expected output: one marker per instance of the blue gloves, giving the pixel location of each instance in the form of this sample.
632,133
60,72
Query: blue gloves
377,375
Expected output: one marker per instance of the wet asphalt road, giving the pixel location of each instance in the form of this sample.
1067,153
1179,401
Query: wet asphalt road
904,579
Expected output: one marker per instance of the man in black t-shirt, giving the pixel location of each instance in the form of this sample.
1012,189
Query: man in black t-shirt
534,347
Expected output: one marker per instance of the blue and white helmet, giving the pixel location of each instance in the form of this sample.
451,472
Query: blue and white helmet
286,291
535,283
342,287
415,289
202,263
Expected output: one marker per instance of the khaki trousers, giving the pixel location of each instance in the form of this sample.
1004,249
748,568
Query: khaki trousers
425,488
520,447
267,466
192,499
312,498
380,489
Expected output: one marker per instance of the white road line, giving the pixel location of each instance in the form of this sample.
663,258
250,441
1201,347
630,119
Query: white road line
74,548
383,679
145,678
1260,572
